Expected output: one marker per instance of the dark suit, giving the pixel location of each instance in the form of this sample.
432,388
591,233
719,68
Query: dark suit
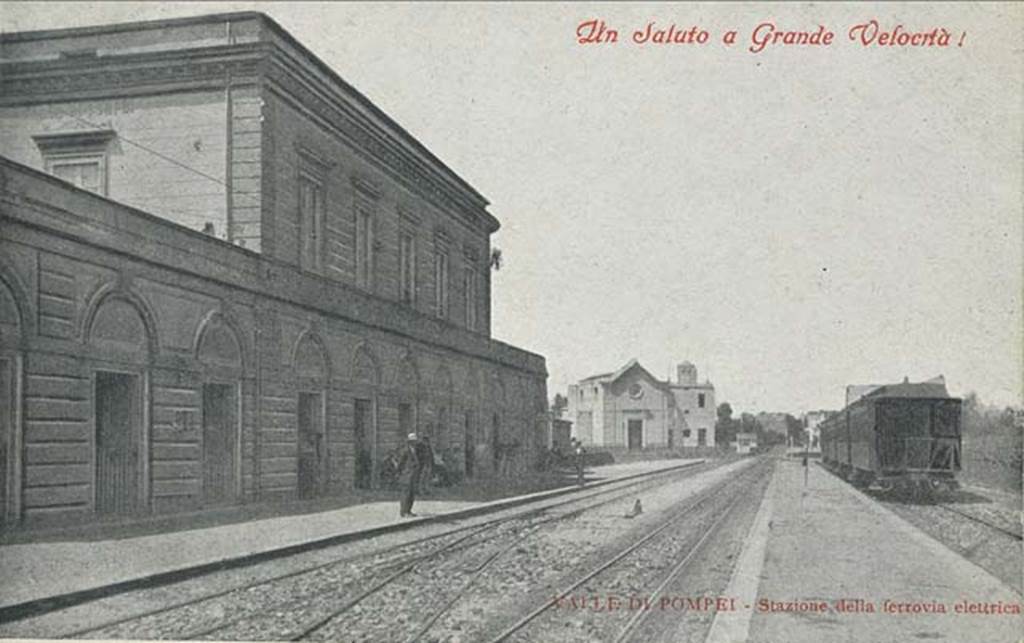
410,466
578,460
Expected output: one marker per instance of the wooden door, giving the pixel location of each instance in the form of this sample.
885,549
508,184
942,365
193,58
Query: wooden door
310,442
363,452
496,442
441,438
469,445
405,421
118,438
219,432
635,431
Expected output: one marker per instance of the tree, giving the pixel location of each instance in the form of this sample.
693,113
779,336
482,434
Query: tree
765,437
725,426
725,412
992,444
795,431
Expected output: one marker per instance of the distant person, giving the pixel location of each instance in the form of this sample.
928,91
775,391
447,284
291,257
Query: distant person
578,455
409,469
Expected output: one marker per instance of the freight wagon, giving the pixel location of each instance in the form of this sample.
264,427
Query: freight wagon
897,437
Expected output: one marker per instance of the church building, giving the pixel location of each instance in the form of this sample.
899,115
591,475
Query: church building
633,410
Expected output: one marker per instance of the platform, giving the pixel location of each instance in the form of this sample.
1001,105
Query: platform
35,571
818,543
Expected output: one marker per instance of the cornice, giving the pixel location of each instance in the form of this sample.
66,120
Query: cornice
292,81
55,142
103,76
90,78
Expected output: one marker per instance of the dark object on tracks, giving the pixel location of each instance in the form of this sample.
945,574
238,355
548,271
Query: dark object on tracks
899,437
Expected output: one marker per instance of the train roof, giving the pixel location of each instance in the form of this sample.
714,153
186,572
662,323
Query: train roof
931,390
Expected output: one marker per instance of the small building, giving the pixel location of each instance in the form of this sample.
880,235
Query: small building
746,443
632,409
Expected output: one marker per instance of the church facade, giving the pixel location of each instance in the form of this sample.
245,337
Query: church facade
633,410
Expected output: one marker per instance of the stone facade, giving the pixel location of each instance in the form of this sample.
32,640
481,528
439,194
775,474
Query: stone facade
267,287
632,409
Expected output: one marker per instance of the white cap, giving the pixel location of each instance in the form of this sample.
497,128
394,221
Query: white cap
412,437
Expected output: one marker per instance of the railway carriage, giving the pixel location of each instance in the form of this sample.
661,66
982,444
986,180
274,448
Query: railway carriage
902,436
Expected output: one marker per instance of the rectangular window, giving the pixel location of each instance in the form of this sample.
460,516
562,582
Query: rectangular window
441,284
469,287
311,220
702,437
83,171
80,158
700,400
407,268
364,248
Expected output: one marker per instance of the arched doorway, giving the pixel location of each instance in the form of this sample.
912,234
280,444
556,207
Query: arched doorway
497,405
10,406
408,396
120,342
219,352
471,422
442,399
312,374
365,386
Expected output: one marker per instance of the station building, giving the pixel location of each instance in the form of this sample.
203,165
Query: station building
632,409
226,276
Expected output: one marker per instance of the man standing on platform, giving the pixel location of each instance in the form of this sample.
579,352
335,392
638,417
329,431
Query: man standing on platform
578,454
410,465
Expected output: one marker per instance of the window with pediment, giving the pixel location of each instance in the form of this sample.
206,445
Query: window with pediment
80,158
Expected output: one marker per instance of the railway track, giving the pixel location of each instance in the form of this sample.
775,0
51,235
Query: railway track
385,567
1012,533
370,610
633,627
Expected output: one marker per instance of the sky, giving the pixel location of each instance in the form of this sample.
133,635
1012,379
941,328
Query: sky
791,221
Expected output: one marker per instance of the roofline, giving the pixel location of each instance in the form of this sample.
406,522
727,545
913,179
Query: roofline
120,27
117,27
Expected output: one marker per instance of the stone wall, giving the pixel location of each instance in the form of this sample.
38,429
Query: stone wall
95,287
